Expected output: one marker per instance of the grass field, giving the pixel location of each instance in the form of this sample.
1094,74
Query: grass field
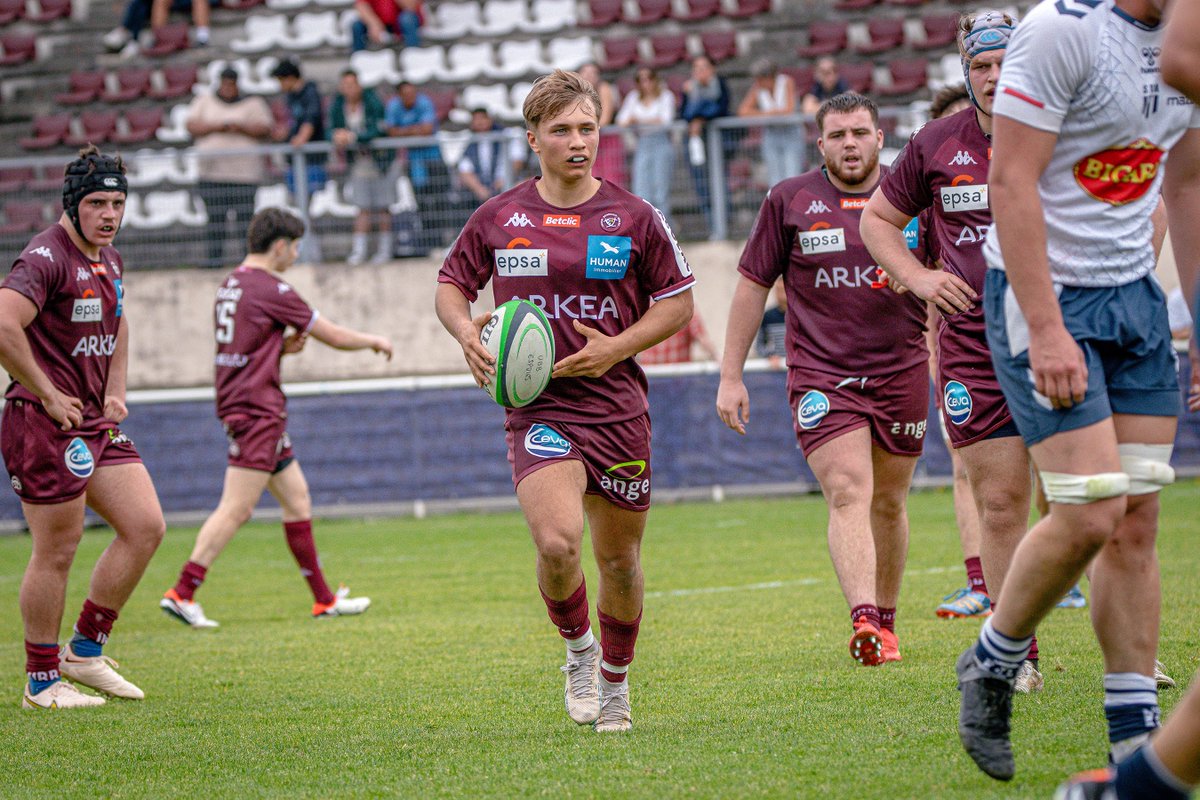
449,686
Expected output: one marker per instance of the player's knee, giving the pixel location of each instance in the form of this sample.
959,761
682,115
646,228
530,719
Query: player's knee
621,569
1148,467
1004,507
1093,525
842,491
57,560
558,553
889,505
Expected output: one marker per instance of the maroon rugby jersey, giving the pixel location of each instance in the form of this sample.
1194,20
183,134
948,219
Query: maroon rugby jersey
600,262
79,302
842,317
944,167
254,308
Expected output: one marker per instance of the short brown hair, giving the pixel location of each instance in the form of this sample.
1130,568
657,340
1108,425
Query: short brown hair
946,97
554,92
844,103
269,225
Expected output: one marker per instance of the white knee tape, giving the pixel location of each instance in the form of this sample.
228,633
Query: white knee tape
1076,490
1148,466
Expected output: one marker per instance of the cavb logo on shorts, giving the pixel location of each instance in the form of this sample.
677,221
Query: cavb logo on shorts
545,442
812,409
956,400
79,459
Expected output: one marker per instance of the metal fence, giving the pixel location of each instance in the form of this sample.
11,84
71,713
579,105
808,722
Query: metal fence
176,218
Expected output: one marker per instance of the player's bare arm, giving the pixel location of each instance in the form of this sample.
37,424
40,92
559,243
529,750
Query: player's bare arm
294,342
454,311
16,313
1020,156
663,319
1181,48
882,231
745,315
341,338
118,371
1181,195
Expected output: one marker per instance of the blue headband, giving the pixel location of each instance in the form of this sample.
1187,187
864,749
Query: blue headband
988,30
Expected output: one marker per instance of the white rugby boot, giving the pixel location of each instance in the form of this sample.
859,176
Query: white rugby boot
1161,679
59,694
343,605
581,694
98,672
188,612
1028,678
615,714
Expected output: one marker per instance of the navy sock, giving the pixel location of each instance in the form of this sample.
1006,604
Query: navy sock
1143,777
85,647
1130,705
999,654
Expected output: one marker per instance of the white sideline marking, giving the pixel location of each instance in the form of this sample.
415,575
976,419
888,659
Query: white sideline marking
754,587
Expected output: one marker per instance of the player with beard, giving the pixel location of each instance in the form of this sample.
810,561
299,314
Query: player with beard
64,339
857,363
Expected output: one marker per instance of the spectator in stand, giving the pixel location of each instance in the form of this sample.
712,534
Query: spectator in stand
773,94
648,110
610,158
826,84
128,38
380,22
356,118
482,168
412,113
771,342
705,98
228,120
306,124
678,348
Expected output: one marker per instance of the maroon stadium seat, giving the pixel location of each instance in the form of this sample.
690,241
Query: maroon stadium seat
14,179
802,75
178,80
18,48
132,83
857,75
905,3
619,52
603,13
11,11
443,101
675,82
886,34
824,39
47,132
667,50
908,75
940,30
142,123
23,216
97,127
700,9
744,9
650,11
83,86
719,45
51,10
168,39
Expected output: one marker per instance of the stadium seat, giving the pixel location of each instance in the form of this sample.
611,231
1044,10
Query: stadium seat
23,216
858,75
551,16
667,50
327,202
700,9
502,17
49,10
14,179
421,64
18,48
619,52
140,125
604,13
262,32
273,195
570,52
176,80
452,21
494,98
131,84
11,11
188,171
940,30
256,78
48,131
312,29
824,39
517,95
744,9
150,167
651,11
165,208
465,62
95,127
168,39
675,82
287,5
518,58
908,75
853,5
83,86
885,34
443,101
375,67
803,76
175,131
719,45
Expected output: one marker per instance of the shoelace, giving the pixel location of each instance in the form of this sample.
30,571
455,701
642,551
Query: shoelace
580,676
614,706
955,594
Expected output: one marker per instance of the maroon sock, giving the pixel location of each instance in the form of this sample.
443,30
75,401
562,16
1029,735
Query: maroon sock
868,610
190,579
1033,651
41,662
570,616
887,618
304,550
95,622
617,639
975,580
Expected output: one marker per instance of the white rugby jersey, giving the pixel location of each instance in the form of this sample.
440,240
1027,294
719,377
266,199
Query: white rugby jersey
1086,70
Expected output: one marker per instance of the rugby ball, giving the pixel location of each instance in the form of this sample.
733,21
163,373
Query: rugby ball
519,338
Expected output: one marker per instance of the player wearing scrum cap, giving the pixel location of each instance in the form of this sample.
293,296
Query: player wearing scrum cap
64,340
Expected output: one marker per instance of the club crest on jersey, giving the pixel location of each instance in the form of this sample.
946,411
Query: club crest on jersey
608,257
1120,175
610,221
957,402
965,197
79,459
822,240
87,309
545,442
811,409
519,220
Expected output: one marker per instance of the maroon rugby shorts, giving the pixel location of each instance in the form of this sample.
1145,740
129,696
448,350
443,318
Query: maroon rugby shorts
260,443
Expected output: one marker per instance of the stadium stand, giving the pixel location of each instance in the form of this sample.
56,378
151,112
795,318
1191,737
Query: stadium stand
11,11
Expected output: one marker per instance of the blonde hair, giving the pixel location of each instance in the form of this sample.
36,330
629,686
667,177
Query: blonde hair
554,92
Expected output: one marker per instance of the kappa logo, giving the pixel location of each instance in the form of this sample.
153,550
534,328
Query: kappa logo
44,252
961,159
818,207
82,274
519,220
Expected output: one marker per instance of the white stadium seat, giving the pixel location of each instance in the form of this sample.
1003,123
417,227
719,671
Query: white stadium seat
326,202
286,5
375,67
517,58
312,29
263,32
174,130
501,17
149,167
164,209
452,21
274,195
256,78
420,64
466,62
494,98
550,16
570,52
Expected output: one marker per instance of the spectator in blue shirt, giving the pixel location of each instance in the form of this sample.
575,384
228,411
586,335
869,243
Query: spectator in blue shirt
705,97
412,113
306,123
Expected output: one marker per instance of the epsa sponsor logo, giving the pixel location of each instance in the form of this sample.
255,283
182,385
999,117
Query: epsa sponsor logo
608,257
79,459
1120,175
969,197
88,309
561,220
625,481
522,263
812,408
956,401
912,233
95,346
825,240
545,442
575,306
